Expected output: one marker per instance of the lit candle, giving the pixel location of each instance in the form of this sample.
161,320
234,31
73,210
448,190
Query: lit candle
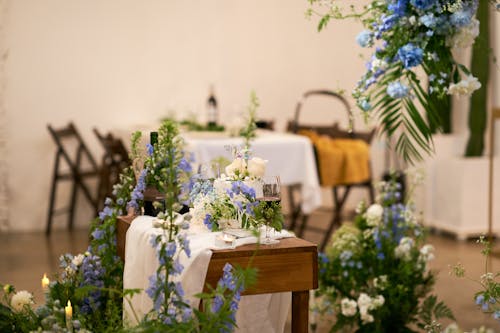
227,238
69,314
45,283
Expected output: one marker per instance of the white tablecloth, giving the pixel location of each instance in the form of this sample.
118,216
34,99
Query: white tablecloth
259,313
290,156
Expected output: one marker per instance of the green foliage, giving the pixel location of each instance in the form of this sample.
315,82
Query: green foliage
269,213
248,132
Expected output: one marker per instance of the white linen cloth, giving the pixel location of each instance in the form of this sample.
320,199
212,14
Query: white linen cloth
290,156
265,313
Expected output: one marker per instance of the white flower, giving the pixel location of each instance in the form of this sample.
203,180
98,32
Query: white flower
348,307
364,300
237,167
78,260
465,36
379,64
380,282
374,215
403,249
426,253
20,299
366,317
378,301
465,87
257,167
412,20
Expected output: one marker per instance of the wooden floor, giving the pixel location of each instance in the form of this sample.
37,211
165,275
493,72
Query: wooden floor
25,257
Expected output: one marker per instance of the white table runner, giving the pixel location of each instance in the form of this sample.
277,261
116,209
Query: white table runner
258,313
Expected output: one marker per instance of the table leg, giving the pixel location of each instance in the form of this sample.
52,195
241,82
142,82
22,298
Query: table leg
300,311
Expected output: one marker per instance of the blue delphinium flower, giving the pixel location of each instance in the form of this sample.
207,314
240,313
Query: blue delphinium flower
208,221
387,23
137,192
184,165
410,55
93,273
364,38
107,211
149,149
397,90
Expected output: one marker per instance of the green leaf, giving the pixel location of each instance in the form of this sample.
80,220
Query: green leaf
323,22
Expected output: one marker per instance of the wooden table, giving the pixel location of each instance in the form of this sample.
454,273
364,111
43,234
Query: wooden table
290,265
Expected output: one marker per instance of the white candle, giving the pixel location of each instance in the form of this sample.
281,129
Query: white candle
68,310
45,283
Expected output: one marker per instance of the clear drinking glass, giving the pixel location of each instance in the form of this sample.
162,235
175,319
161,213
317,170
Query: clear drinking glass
271,194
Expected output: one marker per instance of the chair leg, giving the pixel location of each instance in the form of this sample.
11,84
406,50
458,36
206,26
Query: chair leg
371,192
53,191
294,208
72,204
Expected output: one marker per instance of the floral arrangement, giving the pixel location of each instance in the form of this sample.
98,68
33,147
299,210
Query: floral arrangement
374,274
234,197
410,38
88,294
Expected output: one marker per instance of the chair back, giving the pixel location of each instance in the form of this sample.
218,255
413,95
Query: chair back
73,150
114,160
333,130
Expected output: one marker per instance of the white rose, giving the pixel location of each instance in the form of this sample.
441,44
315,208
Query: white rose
78,260
366,317
374,214
348,307
20,299
257,167
237,167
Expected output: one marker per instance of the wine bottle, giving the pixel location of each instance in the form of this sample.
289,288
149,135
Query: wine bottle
212,113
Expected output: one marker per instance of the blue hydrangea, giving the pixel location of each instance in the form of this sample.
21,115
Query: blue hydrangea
397,90
423,4
398,7
364,38
410,55
461,18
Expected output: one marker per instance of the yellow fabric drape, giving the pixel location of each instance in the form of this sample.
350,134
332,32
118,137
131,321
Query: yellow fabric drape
340,161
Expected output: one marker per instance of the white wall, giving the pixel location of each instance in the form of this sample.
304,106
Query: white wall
123,63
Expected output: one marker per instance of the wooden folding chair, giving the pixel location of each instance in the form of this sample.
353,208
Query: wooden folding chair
114,160
72,151
339,196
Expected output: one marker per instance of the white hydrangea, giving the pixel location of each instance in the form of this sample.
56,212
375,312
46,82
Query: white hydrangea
20,299
426,253
374,215
465,36
465,87
403,250
349,307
